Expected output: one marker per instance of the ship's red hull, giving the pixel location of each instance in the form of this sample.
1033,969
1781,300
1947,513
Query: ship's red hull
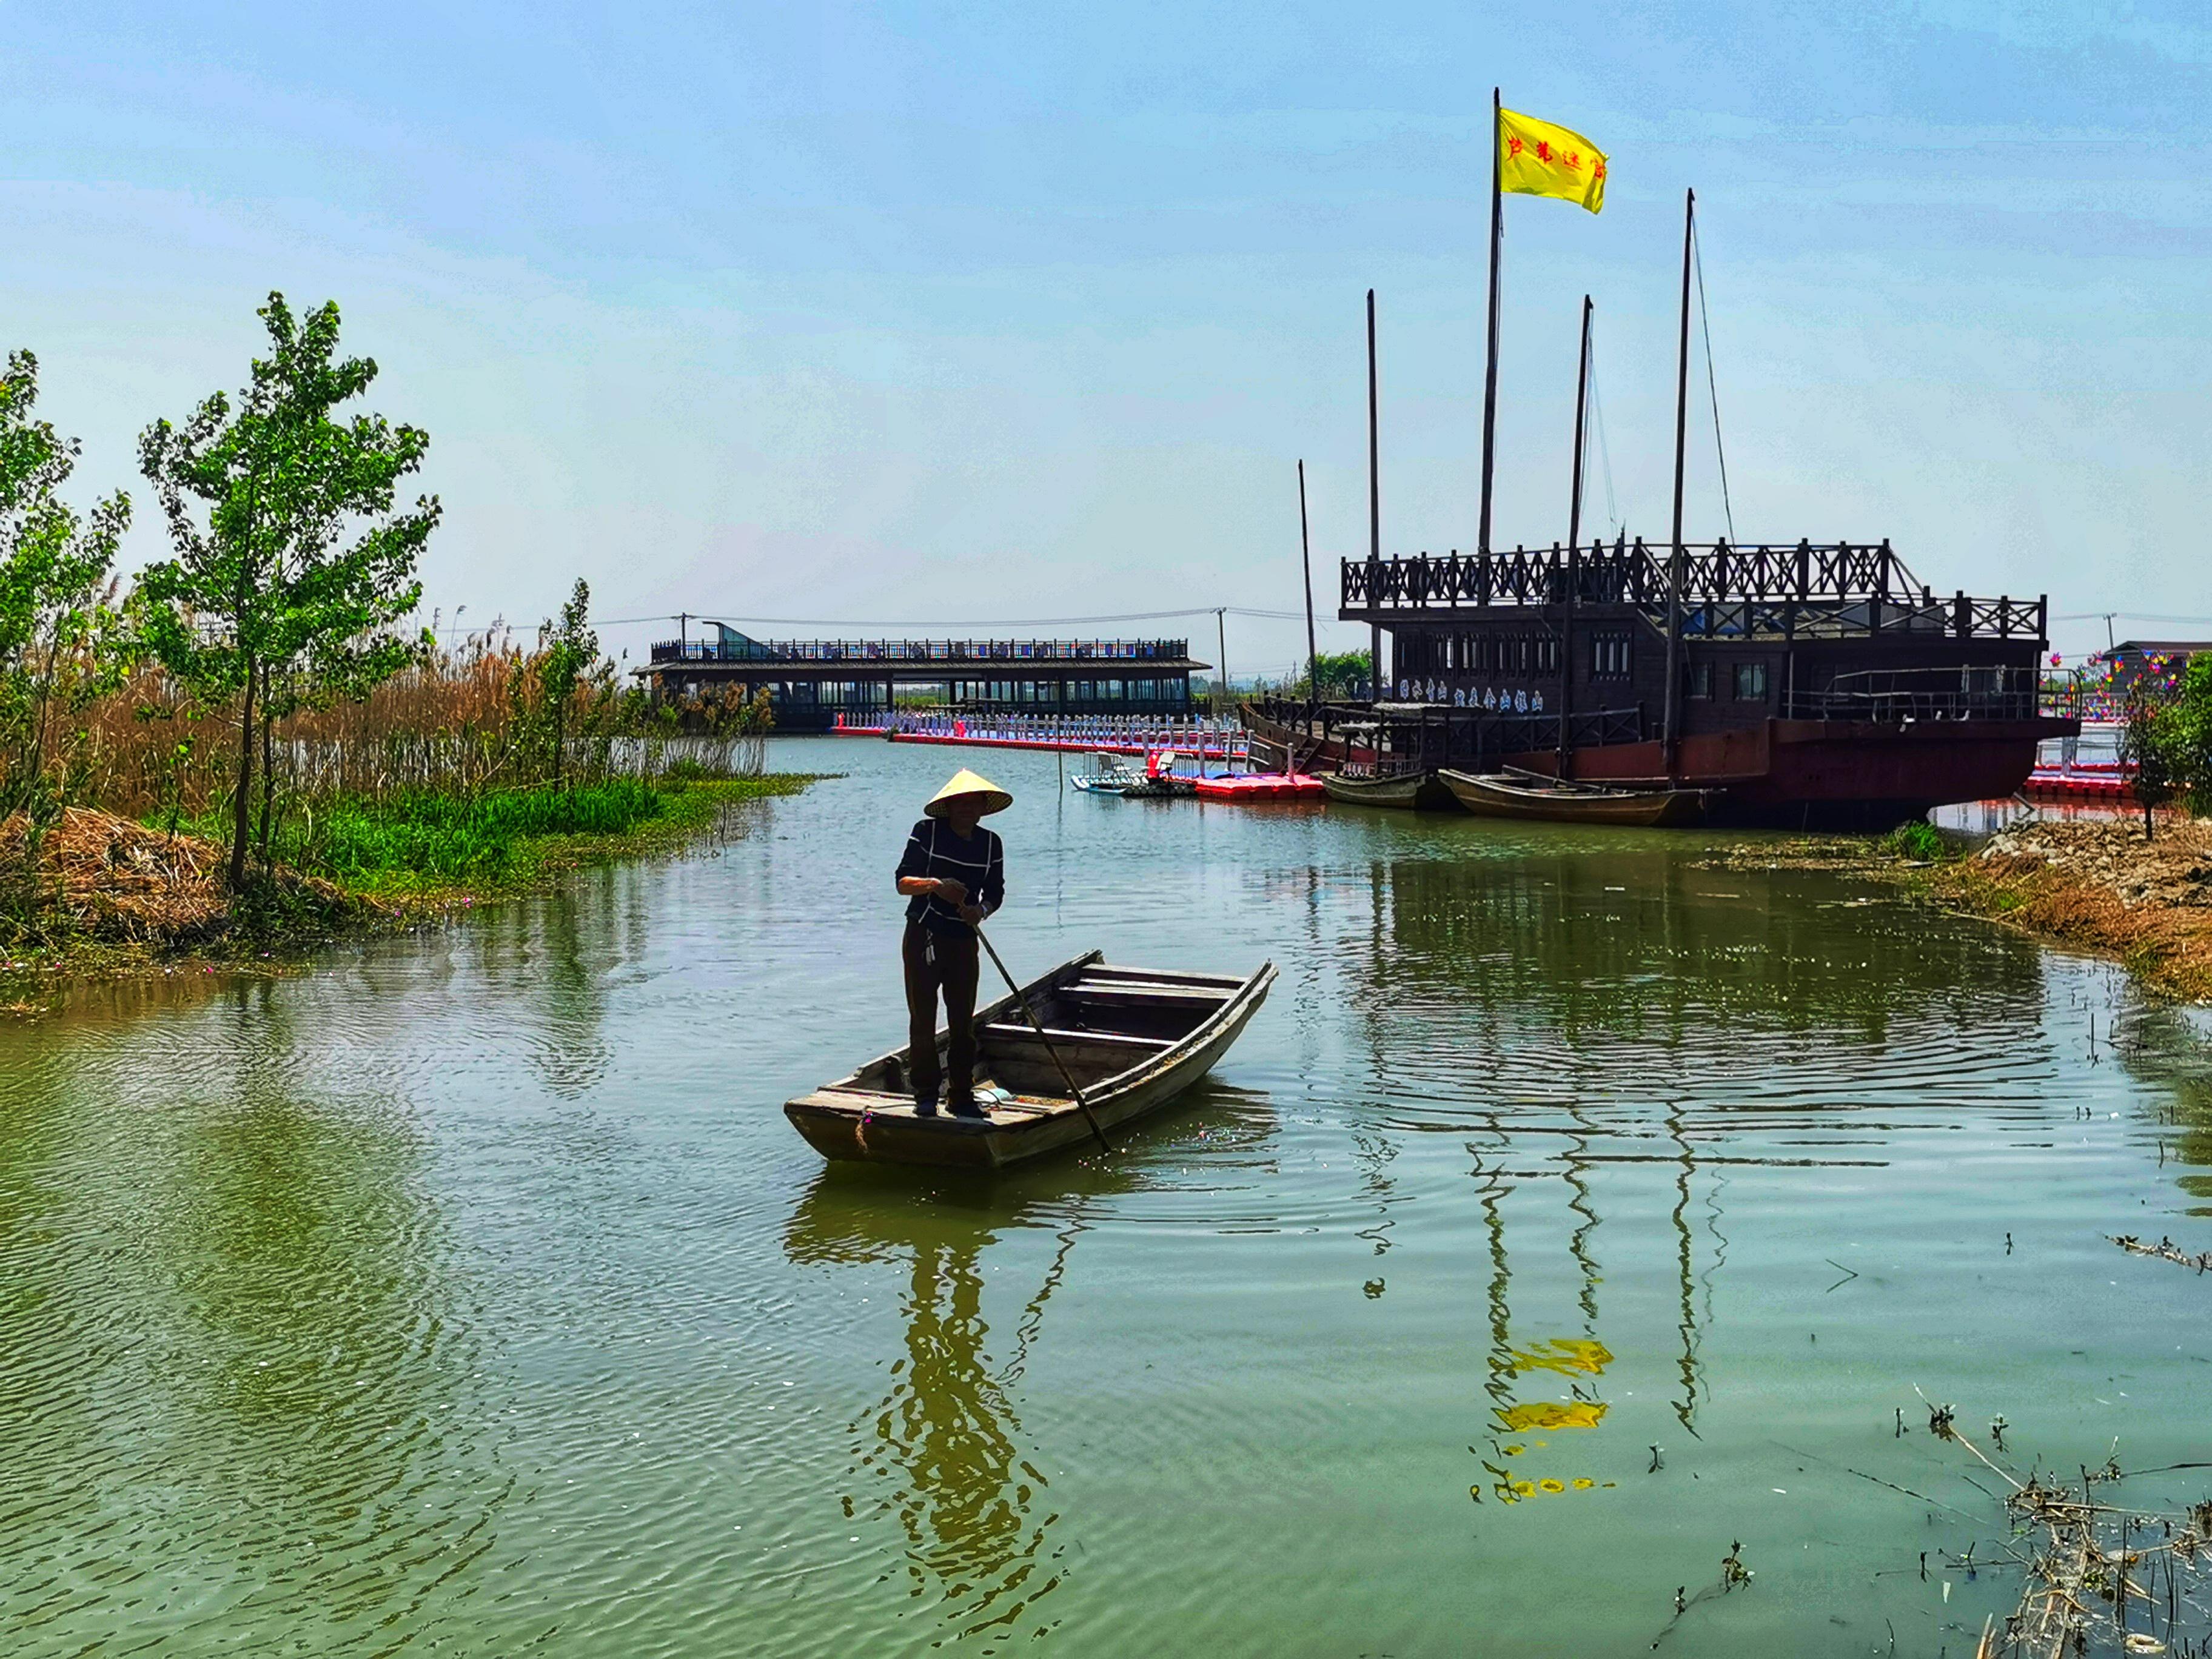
1832,774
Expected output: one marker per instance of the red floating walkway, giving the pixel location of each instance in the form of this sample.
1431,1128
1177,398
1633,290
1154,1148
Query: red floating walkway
1257,787
2083,784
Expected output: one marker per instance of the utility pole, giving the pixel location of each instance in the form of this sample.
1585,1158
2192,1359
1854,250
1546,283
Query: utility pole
1221,671
1306,553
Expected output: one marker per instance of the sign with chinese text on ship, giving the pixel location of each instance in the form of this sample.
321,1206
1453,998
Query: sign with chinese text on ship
1536,158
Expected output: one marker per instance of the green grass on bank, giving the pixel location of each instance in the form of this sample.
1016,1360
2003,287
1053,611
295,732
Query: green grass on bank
421,845
1920,839
356,865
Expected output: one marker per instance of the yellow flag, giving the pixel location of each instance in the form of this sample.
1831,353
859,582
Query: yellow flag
1536,158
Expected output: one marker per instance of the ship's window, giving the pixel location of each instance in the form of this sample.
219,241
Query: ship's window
1609,657
1547,656
1701,679
1751,681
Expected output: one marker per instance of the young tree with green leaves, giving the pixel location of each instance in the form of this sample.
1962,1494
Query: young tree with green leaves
572,650
1340,672
293,570
58,639
2186,729
2146,745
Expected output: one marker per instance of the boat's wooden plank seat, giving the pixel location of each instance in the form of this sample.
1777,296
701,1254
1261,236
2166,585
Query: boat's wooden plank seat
1100,971
1008,1031
1131,994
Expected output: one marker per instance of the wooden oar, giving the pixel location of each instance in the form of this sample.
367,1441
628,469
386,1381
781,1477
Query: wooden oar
1037,1025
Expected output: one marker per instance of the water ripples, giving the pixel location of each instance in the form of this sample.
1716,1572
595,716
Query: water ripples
469,1294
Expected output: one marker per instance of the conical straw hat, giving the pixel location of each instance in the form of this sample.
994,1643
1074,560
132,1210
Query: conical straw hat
965,782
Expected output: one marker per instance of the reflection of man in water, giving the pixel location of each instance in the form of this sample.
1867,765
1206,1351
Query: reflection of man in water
966,1486
953,873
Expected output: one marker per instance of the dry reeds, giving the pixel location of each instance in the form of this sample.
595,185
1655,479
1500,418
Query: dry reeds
459,720
106,878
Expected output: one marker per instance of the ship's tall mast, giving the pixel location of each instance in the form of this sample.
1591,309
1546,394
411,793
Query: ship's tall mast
1574,539
1376,682
1489,363
1676,558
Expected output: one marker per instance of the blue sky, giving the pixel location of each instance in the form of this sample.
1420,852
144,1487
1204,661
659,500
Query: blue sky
956,312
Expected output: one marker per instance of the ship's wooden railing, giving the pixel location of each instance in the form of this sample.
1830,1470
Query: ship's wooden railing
1892,695
1444,736
1834,590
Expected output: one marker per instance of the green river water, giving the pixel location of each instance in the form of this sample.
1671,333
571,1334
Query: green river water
469,1294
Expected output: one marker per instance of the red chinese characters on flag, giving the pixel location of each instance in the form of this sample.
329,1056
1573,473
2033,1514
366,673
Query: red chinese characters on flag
1537,158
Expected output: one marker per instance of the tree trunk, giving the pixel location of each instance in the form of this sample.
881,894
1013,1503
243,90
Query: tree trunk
268,769
2149,832
242,802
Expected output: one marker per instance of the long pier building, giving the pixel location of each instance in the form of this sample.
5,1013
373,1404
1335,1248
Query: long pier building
812,682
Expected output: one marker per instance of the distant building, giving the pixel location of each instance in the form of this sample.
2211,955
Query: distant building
2132,660
810,683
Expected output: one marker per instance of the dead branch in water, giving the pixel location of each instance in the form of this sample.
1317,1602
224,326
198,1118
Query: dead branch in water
2166,1250
2102,1578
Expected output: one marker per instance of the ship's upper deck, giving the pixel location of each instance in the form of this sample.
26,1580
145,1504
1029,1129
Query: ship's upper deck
1809,590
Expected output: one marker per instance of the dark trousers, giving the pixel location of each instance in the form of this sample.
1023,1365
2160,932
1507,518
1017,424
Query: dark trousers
940,962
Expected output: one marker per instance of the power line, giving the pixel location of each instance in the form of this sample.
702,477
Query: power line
2132,616
966,621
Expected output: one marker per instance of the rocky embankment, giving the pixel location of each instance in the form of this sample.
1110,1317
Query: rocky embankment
2100,884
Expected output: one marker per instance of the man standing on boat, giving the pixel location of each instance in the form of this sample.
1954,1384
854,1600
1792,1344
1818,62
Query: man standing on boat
953,875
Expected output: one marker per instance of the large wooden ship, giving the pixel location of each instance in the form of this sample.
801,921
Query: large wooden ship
1796,685
1805,685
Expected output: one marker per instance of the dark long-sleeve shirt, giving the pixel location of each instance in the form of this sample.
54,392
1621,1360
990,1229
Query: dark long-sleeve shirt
977,863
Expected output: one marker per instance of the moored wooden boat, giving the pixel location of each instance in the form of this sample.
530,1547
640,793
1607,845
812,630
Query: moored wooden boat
1134,1038
1530,795
1410,791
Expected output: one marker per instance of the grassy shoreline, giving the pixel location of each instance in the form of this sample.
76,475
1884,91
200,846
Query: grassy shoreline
2095,885
283,923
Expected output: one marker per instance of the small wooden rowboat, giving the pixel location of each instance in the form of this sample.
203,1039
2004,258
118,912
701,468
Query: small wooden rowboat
1408,791
1530,795
1133,1037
